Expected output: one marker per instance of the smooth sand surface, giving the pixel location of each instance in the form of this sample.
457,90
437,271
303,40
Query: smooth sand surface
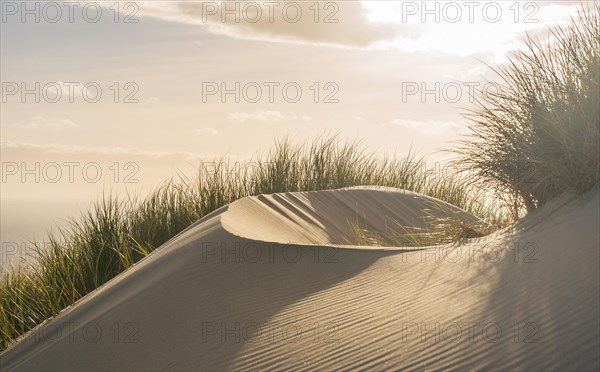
267,283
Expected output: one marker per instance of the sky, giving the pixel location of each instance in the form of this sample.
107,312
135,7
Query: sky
116,97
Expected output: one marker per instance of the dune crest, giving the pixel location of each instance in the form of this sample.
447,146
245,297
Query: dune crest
269,282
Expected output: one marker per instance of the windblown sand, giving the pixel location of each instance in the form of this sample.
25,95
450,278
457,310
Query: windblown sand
267,283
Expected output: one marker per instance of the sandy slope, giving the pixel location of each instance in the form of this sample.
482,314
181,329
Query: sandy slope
260,285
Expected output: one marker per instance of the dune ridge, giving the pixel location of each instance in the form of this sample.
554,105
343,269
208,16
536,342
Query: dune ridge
269,282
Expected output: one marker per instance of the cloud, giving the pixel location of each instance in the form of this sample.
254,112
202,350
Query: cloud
409,26
40,122
430,127
209,131
330,23
266,116
60,149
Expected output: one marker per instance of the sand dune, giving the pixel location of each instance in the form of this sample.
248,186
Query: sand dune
269,282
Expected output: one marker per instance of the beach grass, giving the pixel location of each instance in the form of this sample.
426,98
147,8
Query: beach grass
536,135
442,224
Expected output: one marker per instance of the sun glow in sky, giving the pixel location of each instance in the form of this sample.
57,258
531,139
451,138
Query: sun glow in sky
465,28
351,61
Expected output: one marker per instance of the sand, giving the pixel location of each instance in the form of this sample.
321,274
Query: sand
270,283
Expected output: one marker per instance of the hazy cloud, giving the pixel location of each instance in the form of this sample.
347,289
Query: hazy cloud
209,131
403,25
332,23
53,148
40,122
430,127
266,116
